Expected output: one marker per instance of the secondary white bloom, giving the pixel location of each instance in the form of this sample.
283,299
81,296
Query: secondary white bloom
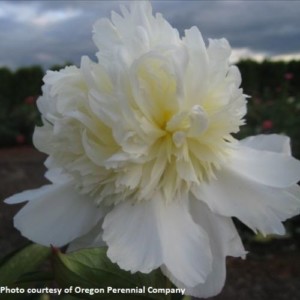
142,158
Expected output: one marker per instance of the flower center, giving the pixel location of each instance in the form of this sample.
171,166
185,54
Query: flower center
187,125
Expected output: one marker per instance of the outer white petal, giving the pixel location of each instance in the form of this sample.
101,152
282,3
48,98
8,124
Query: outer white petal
224,240
28,195
266,167
55,214
258,206
131,234
90,240
42,138
143,236
57,176
294,191
269,142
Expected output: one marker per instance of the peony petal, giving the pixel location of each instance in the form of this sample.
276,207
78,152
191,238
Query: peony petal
234,76
266,167
196,78
224,240
271,142
156,87
29,194
57,175
294,190
259,207
218,49
218,54
55,214
187,253
223,236
90,240
105,37
143,236
130,232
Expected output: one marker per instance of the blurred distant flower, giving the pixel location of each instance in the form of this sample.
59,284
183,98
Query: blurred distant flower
142,157
20,139
288,76
267,125
30,100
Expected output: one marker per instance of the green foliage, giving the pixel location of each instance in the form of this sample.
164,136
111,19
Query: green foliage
18,113
27,82
6,87
85,272
274,105
90,269
21,262
269,77
18,268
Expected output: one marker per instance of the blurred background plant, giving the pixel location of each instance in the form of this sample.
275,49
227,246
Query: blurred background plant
19,115
274,103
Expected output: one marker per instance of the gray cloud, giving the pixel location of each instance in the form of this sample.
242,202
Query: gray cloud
269,26
51,32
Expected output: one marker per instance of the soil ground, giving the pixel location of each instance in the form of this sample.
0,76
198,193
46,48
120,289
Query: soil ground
271,270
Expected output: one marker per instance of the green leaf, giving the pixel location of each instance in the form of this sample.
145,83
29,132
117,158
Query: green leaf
34,277
90,269
24,261
11,254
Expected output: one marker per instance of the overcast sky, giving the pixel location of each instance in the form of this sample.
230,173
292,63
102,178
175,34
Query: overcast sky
53,32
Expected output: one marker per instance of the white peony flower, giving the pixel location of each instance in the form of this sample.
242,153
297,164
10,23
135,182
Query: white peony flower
142,157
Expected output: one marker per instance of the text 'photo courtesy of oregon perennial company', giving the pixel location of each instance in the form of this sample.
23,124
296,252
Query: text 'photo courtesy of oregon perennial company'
142,157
